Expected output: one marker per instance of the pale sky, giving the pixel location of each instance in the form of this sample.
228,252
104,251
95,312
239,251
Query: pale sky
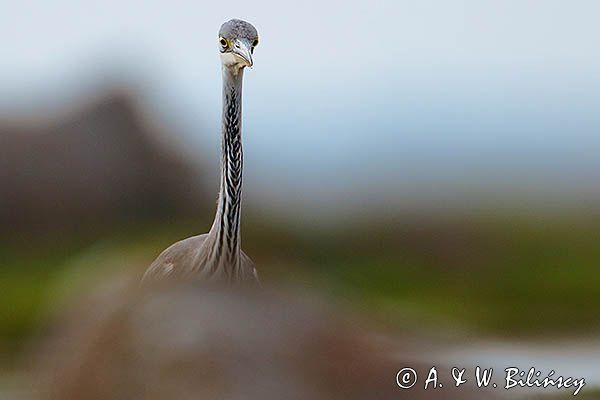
348,97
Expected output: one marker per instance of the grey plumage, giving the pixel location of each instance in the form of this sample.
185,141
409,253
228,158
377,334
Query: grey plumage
217,255
236,28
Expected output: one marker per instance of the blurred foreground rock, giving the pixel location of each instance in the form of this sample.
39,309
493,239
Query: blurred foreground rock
204,343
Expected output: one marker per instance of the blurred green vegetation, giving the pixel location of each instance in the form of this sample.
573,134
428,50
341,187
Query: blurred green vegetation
509,276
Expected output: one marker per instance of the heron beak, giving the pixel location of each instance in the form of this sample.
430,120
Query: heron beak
241,48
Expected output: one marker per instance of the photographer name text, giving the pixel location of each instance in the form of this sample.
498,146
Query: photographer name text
510,378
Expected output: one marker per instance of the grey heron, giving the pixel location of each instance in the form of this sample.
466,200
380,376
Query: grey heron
217,255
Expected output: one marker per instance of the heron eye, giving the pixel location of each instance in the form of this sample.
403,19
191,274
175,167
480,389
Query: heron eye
223,42
255,43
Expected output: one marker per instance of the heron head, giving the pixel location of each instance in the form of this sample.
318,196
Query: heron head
237,40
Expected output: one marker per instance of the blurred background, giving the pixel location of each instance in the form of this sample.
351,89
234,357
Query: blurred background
434,164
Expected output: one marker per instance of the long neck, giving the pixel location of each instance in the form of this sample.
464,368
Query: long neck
225,231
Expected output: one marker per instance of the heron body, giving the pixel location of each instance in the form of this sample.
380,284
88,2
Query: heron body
217,255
